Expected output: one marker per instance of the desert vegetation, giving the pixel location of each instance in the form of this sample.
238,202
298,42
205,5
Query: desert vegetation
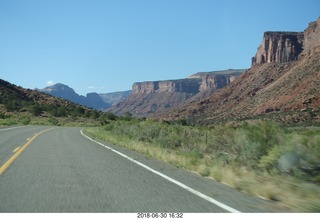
255,155
20,106
259,157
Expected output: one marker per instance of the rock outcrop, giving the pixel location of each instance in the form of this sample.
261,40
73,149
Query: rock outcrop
217,79
279,47
189,85
312,37
154,96
193,84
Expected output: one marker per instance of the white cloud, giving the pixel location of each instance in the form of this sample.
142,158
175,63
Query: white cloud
50,83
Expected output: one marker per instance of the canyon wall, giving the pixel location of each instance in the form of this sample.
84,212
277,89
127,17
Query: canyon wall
312,37
154,96
279,47
182,85
282,85
194,84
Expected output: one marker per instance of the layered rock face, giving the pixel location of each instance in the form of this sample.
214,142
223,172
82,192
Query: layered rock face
312,37
154,96
183,85
194,84
215,81
279,47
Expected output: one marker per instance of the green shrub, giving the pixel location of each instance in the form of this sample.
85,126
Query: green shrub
53,121
2,115
25,120
36,110
242,155
258,145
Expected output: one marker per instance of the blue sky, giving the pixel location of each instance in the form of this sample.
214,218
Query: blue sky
107,45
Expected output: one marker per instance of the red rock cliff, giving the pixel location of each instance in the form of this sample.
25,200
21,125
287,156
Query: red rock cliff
193,84
154,96
279,47
311,36
182,85
282,47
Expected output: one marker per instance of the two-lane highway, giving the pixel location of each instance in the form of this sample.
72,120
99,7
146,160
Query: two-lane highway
63,171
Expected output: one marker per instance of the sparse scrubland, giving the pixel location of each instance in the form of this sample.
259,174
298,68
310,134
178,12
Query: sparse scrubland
31,113
27,118
20,106
258,157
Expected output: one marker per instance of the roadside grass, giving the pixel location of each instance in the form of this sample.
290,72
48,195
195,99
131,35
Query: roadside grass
258,157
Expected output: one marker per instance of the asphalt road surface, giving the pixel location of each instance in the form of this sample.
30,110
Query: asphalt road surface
58,169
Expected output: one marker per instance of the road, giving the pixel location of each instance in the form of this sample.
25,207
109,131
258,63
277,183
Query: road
58,169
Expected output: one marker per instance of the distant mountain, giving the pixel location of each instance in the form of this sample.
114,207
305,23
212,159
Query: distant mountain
283,84
155,96
115,97
92,100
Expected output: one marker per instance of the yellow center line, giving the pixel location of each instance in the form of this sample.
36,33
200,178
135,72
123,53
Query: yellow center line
19,151
16,149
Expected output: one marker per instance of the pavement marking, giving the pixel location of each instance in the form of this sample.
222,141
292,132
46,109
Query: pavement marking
18,152
195,192
11,128
16,149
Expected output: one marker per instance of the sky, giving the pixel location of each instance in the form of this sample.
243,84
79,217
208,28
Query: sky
106,45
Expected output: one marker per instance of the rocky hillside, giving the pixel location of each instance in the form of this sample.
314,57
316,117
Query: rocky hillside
12,96
155,96
15,101
283,83
92,100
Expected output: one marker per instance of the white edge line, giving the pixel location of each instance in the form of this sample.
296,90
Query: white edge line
16,127
199,194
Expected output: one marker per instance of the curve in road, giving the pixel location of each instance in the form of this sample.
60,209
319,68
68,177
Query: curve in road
62,171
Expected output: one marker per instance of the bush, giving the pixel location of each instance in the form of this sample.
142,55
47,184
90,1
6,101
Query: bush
111,116
258,146
2,116
12,105
53,121
36,110
297,154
